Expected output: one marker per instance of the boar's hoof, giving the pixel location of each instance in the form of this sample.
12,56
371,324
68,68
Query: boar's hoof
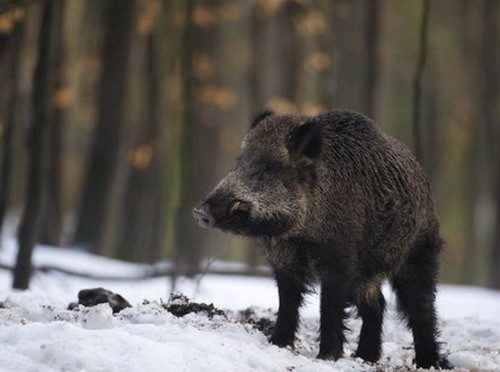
281,341
443,363
329,355
367,356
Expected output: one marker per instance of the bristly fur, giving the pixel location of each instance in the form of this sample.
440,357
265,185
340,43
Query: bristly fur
334,200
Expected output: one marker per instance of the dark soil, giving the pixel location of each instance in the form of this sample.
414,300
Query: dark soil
263,324
179,305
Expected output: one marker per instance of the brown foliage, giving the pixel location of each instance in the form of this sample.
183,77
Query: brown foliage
9,19
141,156
219,97
63,97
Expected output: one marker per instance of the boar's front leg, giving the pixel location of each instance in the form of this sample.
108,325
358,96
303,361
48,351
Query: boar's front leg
371,311
291,291
335,289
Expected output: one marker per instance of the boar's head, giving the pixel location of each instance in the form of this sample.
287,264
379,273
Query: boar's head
266,193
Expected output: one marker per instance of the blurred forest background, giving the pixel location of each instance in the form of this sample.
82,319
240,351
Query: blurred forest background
117,116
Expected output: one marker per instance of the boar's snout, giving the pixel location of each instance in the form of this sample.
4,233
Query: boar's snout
203,216
224,212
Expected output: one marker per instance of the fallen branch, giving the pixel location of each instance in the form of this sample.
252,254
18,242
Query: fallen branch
148,274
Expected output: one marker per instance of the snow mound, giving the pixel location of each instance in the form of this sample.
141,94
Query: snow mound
40,337
39,333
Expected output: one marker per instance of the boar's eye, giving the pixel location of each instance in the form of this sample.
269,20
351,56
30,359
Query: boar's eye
267,168
259,175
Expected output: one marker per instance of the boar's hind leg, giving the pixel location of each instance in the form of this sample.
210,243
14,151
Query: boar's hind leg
371,310
415,287
334,301
291,291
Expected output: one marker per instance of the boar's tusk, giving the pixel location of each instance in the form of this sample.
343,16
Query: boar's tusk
235,206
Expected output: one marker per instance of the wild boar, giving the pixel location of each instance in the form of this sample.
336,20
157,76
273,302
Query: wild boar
334,200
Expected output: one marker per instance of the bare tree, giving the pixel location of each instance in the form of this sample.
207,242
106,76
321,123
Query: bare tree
179,63
372,41
143,230
51,230
417,82
15,40
490,58
107,173
37,146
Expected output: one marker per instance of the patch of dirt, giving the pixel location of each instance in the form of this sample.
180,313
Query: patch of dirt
180,305
263,323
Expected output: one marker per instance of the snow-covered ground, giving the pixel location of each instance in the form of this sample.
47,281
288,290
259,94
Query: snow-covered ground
38,333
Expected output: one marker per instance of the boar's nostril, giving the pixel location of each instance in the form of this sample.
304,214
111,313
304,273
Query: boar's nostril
203,217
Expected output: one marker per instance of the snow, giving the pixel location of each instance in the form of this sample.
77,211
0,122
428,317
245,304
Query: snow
38,333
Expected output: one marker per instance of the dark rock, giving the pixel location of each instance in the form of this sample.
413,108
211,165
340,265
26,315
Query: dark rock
95,296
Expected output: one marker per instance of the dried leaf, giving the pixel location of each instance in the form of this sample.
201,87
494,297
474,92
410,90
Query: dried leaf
229,12
222,98
312,108
149,12
204,16
281,105
9,19
319,61
142,156
267,8
310,24
63,97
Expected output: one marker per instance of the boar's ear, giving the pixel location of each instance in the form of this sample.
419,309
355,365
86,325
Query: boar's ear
258,117
306,139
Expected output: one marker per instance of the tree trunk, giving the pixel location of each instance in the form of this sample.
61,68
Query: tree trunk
105,182
52,222
491,102
417,83
178,58
144,218
473,173
372,40
274,57
43,88
203,98
15,40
